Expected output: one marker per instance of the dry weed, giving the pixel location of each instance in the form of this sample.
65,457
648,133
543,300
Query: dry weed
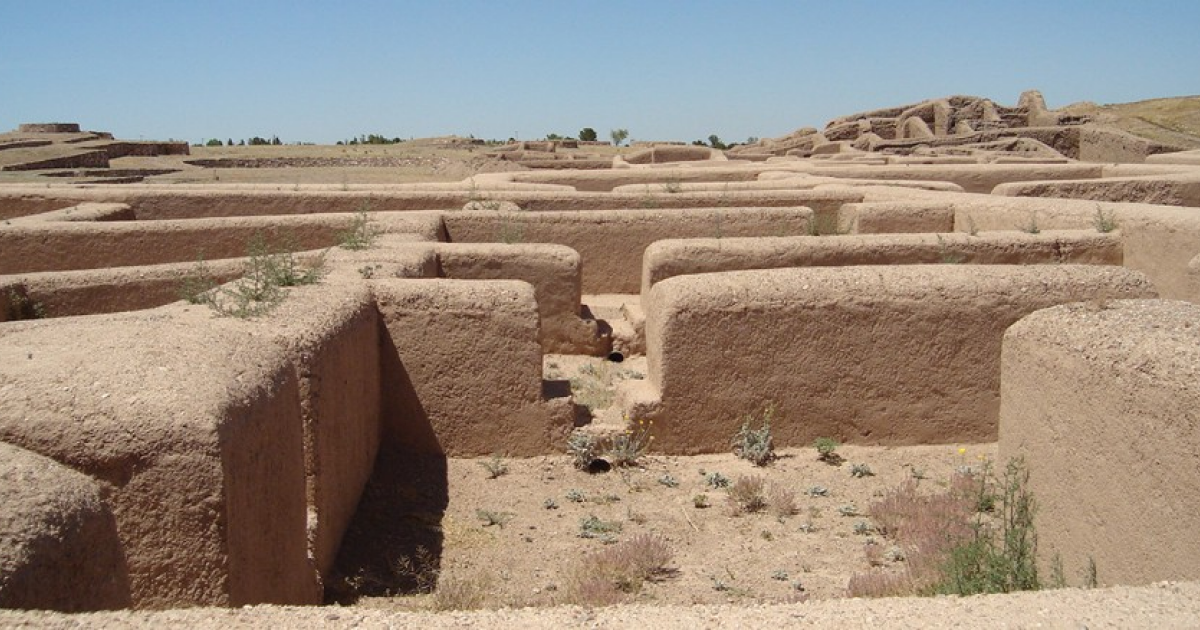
608,576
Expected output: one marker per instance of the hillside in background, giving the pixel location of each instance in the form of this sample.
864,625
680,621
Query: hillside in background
1167,120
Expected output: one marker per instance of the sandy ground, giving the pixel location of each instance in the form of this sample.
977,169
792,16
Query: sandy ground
1163,605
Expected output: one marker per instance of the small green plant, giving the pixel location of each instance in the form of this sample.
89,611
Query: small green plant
858,471
265,276
195,286
20,307
369,271
667,480
755,444
1104,222
780,575
629,447
748,494
1090,577
583,449
701,501
490,518
593,527
673,185
818,491
826,224
361,233
495,467
863,528
1032,226
575,496
948,256
550,504
848,510
716,480
827,450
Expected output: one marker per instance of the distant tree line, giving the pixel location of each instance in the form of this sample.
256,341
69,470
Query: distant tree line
371,138
254,142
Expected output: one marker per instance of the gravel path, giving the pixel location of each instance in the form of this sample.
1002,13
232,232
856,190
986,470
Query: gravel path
1162,605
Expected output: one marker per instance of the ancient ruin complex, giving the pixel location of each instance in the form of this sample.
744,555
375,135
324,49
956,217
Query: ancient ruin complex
949,271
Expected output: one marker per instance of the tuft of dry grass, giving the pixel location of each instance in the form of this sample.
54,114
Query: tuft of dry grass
610,575
461,592
748,494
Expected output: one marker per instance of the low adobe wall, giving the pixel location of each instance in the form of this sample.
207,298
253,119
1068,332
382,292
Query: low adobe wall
461,370
669,258
972,177
611,243
556,275
96,291
1170,190
1102,402
190,428
58,539
836,350
33,247
151,203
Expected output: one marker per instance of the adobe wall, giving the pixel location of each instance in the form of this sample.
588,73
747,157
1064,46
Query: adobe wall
1102,402
332,340
556,275
95,291
971,177
33,247
835,349
197,449
668,258
611,242
461,370
151,203
58,538
1169,190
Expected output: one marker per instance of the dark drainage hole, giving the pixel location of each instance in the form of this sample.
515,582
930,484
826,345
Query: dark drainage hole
598,465
616,357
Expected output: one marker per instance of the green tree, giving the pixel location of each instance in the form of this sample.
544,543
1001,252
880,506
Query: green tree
213,143
715,142
587,134
618,136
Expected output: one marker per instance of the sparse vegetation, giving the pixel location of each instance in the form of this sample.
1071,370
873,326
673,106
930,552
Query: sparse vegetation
1104,222
950,546
594,527
859,471
827,450
748,494
361,233
491,517
495,467
608,576
1032,226
19,306
755,444
263,281
716,480
628,448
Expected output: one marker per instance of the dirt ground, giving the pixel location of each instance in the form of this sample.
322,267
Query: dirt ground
512,529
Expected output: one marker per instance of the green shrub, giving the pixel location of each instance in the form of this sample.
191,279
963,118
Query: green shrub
361,233
827,450
756,445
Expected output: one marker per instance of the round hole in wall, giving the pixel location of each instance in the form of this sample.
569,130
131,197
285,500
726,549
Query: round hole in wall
616,357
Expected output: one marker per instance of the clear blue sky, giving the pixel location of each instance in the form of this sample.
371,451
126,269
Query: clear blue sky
323,70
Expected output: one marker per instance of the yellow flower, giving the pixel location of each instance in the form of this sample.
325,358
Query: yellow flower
962,451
